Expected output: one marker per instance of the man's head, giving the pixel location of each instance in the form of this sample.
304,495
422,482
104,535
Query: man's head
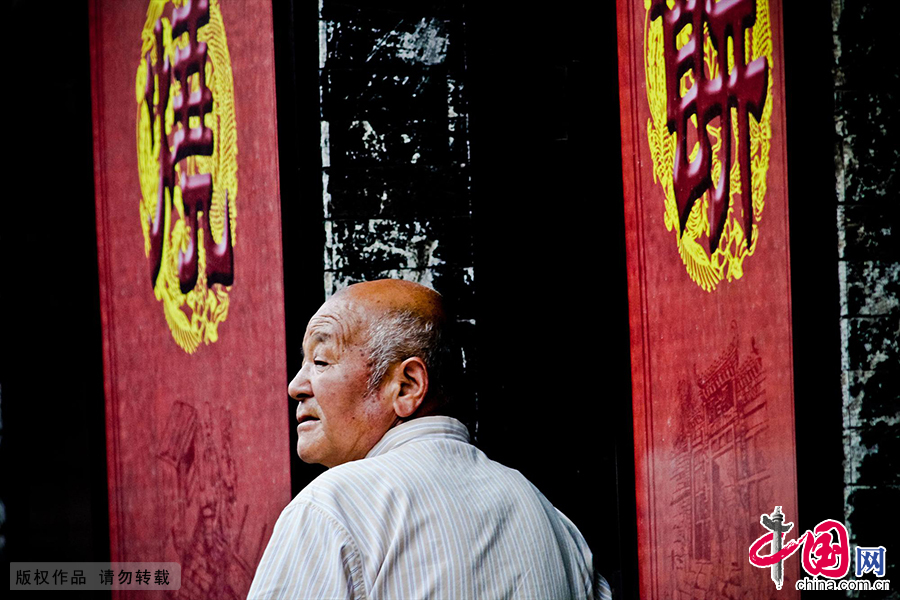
373,356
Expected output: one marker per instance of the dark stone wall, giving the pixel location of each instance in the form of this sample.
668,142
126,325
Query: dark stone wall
867,168
394,144
395,150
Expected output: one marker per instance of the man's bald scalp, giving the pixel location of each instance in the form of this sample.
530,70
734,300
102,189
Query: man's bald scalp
398,320
395,294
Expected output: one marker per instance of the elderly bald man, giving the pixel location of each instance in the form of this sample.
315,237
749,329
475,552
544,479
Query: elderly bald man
408,508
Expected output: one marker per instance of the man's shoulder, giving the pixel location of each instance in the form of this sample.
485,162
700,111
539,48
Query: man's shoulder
346,484
420,466
457,471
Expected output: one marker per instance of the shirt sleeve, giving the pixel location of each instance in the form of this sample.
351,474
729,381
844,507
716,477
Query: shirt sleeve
310,555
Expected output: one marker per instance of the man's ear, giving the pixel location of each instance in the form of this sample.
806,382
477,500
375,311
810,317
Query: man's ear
411,380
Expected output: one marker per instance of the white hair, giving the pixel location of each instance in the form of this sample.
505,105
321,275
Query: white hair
400,334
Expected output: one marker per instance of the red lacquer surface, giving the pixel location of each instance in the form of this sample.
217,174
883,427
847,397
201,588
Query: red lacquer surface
197,453
711,370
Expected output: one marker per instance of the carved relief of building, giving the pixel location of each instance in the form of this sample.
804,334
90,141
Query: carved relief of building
719,476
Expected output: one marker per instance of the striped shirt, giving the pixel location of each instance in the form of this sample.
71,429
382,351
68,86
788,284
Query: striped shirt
424,515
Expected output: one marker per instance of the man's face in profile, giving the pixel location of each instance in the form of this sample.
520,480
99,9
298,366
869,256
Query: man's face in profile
338,420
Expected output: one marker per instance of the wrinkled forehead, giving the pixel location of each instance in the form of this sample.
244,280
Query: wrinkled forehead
337,322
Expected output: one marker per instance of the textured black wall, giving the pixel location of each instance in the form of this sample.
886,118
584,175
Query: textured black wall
867,167
395,152
394,145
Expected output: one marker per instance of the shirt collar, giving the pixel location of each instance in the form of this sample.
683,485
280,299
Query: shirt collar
430,428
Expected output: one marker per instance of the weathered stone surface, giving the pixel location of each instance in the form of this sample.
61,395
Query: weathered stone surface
872,396
873,288
867,161
865,36
399,95
869,232
456,284
871,341
378,245
371,143
881,465
854,454
404,191
881,393
343,10
868,129
387,40
395,146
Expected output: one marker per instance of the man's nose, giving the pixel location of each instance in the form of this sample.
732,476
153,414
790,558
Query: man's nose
300,387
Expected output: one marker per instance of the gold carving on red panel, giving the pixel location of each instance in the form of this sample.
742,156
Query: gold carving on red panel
708,69
187,164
